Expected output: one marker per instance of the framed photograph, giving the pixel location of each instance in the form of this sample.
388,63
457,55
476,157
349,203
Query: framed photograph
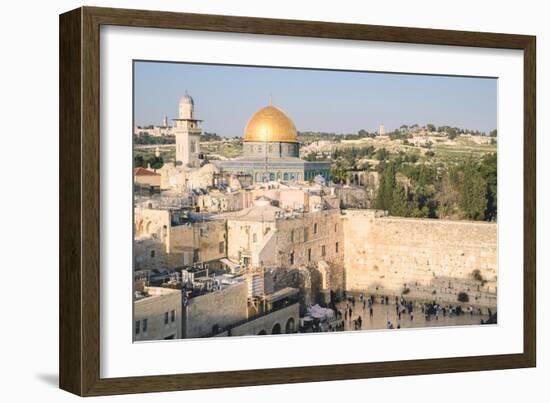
249,201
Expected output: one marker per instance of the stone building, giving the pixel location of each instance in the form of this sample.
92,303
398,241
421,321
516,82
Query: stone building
216,201
157,314
288,245
185,240
146,178
211,312
247,228
229,311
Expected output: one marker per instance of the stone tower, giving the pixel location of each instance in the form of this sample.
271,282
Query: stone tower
187,130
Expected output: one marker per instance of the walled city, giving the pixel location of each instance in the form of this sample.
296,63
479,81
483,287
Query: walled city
267,243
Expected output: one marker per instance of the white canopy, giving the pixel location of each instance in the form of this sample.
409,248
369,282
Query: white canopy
321,313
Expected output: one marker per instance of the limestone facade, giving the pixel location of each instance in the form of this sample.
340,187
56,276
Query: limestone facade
157,314
184,241
145,177
187,131
426,258
282,321
206,313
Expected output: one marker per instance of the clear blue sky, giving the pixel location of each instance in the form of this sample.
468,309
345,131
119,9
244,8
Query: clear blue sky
317,100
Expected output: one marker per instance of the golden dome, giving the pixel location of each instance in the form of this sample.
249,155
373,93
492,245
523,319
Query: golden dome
270,124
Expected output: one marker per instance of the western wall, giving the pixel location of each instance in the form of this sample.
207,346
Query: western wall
426,259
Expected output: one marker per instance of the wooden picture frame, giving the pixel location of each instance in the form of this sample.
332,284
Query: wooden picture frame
79,347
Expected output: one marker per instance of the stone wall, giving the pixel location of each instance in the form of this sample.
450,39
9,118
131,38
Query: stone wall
161,302
265,324
306,252
425,258
207,238
220,308
150,253
307,240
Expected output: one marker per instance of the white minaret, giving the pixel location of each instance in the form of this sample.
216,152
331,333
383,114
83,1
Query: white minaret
165,121
187,130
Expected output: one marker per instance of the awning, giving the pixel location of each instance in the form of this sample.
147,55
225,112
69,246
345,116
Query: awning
229,263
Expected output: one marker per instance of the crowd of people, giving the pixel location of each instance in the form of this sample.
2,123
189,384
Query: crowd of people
403,308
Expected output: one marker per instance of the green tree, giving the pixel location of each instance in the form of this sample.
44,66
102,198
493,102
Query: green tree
473,193
430,127
391,195
139,161
156,163
382,154
452,133
339,170
311,157
384,197
488,171
399,205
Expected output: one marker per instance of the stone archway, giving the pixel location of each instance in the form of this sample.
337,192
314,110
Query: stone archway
261,332
290,326
139,228
276,329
